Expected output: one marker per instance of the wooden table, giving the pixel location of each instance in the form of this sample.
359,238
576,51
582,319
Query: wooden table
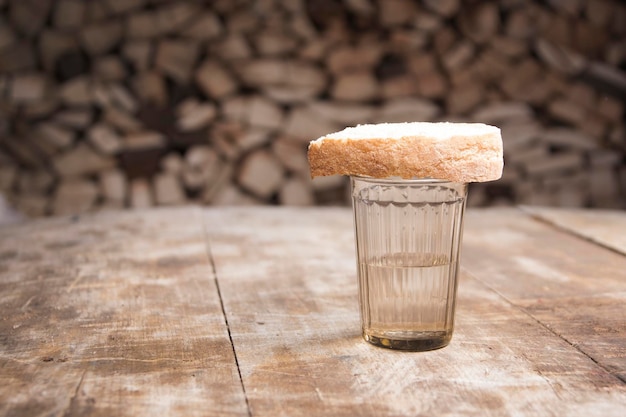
253,312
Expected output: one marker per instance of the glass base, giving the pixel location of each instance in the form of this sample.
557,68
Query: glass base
422,342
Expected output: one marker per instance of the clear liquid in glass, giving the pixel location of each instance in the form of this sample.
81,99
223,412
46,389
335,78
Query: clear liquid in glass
408,235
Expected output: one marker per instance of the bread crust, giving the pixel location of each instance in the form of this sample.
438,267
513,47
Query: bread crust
459,152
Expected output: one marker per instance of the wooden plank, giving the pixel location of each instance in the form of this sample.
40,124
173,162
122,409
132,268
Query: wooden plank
113,314
605,227
573,287
288,283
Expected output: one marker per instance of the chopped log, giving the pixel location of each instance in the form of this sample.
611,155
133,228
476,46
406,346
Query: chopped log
231,195
343,113
528,155
296,192
122,98
139,53
121,120
7,35
599,12
275,72
236,108
509,112
481,22
464,98
77,119
233,47
143,140
557,163
397,87
361,7
109,68
263,71
458,55
96,11
58,136
427,22
445,8
509,47
69,14
594,125
302,27
28,88
205,27
167,190
261,174
292,154
218,183
611,109
444,39
172,163
32,205
215,80
243,22
113,185
22,151
253,138
76,92
603,183
176,59
29,16
17,57
604,159
305,124
567,111
193,115
142,25
35,181
264,113
358,86
104,138
173,17
612,80
123,6
583,95
396,12
141,194
225,136
150,88
291,95
202,167
407,110
559,58
8,176
272,43
328,183
351,59
101,37
431,85
74,196
566,138
81,160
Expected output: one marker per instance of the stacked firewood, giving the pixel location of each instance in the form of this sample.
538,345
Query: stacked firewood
135,103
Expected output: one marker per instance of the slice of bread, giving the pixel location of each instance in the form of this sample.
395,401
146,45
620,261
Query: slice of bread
459,152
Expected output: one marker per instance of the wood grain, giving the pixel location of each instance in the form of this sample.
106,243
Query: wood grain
122,314
288,282
113,314
573,287
605,227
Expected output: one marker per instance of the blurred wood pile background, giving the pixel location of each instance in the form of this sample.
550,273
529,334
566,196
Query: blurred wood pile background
134,103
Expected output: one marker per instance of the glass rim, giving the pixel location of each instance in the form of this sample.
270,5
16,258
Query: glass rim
403,181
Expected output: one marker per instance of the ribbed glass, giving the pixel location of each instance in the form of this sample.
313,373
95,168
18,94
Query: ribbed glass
408,235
